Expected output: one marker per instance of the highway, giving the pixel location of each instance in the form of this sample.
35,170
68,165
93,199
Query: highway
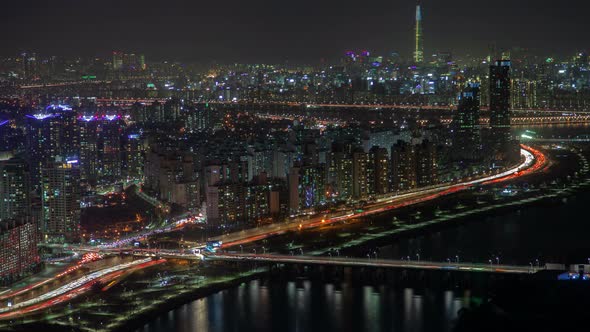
379,263
73,288
533,161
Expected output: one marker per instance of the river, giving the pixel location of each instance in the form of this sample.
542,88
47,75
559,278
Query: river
544,232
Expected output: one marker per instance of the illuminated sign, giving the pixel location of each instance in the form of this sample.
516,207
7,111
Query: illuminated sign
40,116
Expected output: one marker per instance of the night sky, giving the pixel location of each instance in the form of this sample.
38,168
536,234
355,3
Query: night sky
298,31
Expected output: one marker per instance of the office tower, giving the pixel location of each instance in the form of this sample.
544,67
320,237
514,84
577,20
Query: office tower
130,62
30,65
117,60
172,109
138,113
141,62
419,50
466,128
500,139
18,249
14,189
61,201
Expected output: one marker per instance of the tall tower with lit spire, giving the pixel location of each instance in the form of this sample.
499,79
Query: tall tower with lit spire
419,51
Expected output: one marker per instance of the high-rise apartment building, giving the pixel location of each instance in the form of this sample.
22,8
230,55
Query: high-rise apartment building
466,127
61,201
14,189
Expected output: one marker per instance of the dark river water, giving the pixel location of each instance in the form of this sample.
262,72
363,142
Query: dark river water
310,306
544,232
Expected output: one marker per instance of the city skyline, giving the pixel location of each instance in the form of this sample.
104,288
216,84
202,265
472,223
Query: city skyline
267,166
209,32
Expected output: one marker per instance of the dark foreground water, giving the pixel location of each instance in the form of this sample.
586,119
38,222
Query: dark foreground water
541,231
552,232
545,232
311,306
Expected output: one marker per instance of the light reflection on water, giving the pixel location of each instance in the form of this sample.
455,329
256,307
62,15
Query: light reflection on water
314,306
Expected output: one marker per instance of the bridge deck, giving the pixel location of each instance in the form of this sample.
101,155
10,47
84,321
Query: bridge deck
382,263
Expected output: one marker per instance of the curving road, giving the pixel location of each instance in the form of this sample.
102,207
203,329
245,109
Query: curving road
533,161
73,289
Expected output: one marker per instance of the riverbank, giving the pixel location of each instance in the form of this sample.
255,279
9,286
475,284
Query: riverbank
420,228
138,320
174,297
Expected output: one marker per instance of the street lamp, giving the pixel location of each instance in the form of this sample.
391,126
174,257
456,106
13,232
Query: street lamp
418,256
457,257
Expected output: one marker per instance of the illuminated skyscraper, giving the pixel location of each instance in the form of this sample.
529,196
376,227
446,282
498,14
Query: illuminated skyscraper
134,156
403,166
18,249
88,148
117,60
42,143
500,139
10,136
466,129
61,201
360,181
109,147
419,51
379,158
14,189
50,133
